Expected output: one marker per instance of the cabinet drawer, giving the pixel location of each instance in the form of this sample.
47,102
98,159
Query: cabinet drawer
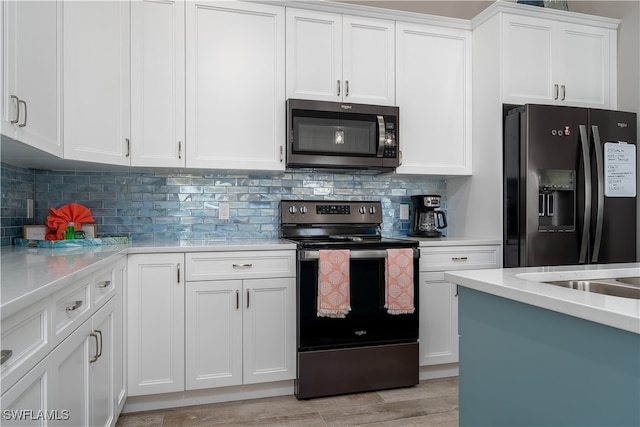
25,340
72,307
459,258
104,287
240,265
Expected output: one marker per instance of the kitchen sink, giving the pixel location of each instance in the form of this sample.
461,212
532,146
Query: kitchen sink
635,281
601,287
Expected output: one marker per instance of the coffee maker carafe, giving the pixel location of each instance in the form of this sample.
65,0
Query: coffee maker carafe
427,219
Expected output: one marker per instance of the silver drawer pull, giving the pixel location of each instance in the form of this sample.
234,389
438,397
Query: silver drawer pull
242,265
104,284
5,355
459,258
76,305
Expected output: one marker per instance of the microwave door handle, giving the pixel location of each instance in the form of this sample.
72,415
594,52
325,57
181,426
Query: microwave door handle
381,136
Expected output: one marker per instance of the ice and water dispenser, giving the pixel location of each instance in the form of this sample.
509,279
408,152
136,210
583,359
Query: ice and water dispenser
556,200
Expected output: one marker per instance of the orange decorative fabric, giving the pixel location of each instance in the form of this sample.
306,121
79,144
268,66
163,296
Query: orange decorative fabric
333,283
59,219
399,281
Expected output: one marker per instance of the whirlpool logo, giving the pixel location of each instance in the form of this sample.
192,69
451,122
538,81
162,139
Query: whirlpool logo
360,333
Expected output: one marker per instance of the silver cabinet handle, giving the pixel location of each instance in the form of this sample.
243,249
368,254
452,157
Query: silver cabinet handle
179,149
247,298
248,265
346,88
5,355
555,91
76,305
17,109
563,90
338,85
95,356
178,273
237,299
104,284
459,258
24,123
128,147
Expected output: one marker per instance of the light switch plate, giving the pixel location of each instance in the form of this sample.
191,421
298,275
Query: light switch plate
404,211
223,210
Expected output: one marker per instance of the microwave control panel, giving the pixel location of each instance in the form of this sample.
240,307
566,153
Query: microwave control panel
390,144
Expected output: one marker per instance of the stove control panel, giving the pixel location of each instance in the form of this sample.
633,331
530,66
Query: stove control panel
321,212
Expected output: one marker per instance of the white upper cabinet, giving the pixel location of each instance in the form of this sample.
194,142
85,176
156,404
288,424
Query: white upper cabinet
340,58
433,78
157,83
553,62
97,81
31,102
235,90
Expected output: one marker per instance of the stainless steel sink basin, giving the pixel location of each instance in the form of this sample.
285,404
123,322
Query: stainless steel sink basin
635,281
601,287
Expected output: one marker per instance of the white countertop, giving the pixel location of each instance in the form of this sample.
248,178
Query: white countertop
525,285
30,274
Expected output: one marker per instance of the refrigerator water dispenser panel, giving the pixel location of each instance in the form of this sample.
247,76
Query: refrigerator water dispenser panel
556,200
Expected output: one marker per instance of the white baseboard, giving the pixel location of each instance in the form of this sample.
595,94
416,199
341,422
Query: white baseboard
438,371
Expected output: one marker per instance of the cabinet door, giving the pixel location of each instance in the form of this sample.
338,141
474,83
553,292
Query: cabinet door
528,66
269,330
213,337
157,83
368,61
433,91
101,363
314,55
584,61
30,394
155,317
119,334
69,368
31,99
438,320
235,85
96,81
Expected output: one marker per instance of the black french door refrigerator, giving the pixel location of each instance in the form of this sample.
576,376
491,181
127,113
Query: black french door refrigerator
569,186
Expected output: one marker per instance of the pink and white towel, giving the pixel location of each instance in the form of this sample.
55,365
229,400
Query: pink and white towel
333,283
399,281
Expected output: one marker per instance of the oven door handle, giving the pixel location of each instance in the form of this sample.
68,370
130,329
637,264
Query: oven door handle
308,255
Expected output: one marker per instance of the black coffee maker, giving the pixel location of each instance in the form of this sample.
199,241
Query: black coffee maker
427,220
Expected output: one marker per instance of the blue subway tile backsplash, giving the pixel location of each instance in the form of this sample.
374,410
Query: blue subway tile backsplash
158,204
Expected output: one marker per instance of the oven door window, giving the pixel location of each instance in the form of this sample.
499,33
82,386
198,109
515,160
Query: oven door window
333,134
367,323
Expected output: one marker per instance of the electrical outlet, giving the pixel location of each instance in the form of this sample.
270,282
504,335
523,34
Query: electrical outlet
223,210
404,211
29,208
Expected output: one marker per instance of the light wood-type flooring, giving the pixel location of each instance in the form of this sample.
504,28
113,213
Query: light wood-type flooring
430,403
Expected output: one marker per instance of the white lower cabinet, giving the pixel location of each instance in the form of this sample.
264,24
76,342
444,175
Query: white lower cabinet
239,332
210,319
81,370
438,298
75,382
155,323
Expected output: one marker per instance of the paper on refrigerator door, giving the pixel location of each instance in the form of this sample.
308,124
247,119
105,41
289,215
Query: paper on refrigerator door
619,169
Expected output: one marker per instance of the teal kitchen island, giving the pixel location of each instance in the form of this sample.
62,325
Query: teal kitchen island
537,354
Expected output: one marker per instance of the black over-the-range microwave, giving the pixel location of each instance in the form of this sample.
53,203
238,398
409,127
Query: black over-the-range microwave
323,134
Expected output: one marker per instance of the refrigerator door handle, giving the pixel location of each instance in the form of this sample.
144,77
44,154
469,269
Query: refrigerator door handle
584,140
600,210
